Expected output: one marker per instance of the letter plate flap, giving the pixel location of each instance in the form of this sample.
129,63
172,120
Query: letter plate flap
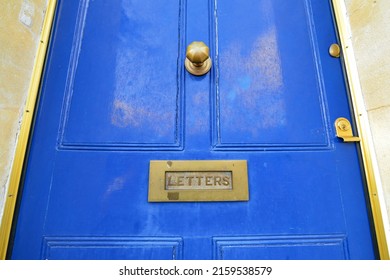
198,180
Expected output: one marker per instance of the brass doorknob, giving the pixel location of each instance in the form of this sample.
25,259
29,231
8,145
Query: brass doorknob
198,60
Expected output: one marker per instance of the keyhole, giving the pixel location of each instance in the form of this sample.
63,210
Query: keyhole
343,125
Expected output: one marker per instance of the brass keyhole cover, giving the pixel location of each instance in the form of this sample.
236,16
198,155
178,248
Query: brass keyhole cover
344,125
198,60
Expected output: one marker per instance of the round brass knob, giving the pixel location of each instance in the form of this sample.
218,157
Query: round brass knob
334,50
198,60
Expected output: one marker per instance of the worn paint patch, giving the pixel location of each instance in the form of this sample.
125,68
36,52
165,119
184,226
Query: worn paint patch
117,185
135,115
26,14
258,85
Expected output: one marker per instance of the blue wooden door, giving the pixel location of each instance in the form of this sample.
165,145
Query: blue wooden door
116,95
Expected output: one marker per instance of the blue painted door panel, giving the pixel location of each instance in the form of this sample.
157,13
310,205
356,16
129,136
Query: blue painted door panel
115,95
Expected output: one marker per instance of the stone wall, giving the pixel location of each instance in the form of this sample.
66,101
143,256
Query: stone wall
20,30
370,26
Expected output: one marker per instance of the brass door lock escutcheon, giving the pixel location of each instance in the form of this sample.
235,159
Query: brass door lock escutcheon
344,130
198,60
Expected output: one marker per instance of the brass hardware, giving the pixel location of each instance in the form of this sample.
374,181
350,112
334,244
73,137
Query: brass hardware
334,50
344,130
198,180
198,60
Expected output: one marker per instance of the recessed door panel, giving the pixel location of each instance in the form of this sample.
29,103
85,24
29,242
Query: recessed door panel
123,87
269,84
